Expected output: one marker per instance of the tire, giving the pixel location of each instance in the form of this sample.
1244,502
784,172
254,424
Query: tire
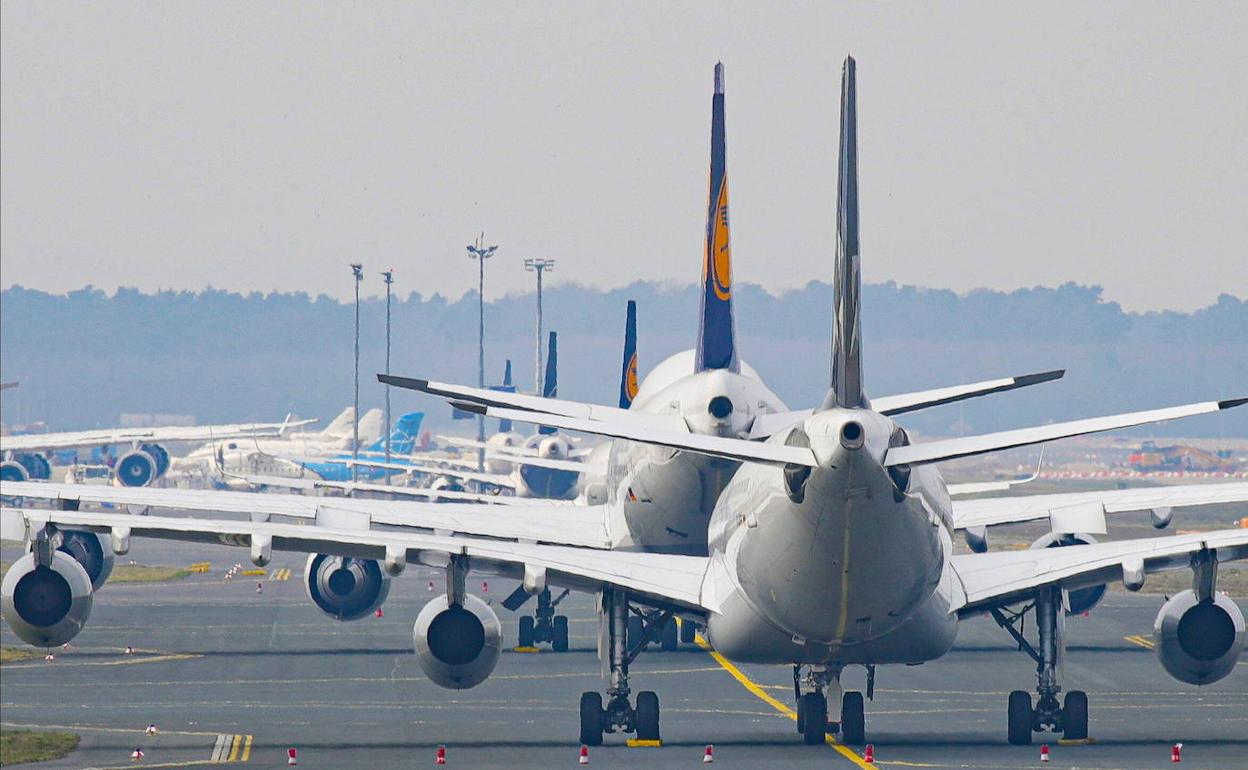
560,642
636,630
670,640
1075,716
814,710
526,631
647,716
688,632
591,718
853,719
1019,718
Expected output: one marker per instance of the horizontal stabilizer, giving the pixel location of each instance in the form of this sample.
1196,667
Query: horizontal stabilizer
951,449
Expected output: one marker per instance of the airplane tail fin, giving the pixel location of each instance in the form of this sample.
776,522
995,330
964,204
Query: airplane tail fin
403,438
340,427
550,383
628,372
505,426
846,385
717,348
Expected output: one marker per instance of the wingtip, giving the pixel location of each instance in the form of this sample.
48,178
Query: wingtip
719,77
408,383
1231,403
1039,377
469,406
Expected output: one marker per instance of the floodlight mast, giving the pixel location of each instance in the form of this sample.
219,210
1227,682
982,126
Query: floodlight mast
539,266
388,277
357,269
480,252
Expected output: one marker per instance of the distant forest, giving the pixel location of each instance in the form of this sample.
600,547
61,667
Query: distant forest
86,357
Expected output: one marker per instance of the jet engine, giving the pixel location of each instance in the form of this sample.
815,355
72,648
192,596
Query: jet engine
26,466
46,605
457,645
1082,599
160,455
136,468
88,550
1198,642
12,470
548,482
345,588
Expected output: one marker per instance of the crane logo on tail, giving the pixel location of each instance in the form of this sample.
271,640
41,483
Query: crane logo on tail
720,257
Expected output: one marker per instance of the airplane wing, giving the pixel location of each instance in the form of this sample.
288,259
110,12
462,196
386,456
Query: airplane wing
663,578
497,479
991,511
573,525
767,424
999,578
39,441
391,489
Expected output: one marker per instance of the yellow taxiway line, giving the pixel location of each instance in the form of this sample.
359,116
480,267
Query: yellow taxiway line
1142,641
762,695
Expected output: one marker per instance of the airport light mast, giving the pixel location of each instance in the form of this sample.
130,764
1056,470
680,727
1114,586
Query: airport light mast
388,277
357,270
480,252
539,266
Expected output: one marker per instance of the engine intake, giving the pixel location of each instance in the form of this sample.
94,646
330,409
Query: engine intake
1081,599
345,588
46,605
1198,642
136,468
457,645
88,550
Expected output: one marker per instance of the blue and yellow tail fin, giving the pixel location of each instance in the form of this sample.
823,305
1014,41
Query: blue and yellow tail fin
717,347
550,383
628,371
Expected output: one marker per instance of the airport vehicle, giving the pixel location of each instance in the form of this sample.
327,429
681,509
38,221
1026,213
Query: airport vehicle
831,546
146,460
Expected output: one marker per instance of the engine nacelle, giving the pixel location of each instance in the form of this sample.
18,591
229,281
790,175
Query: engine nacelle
1198,642
89,551
46,605
36,465
160,455
457,646
12,470
1082,599
135,468
343,587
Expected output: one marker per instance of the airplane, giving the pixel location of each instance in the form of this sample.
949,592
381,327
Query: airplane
147,459
338,467
830,546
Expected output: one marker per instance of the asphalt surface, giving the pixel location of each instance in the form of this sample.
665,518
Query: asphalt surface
230,674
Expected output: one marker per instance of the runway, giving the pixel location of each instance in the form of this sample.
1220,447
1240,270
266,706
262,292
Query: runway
232,675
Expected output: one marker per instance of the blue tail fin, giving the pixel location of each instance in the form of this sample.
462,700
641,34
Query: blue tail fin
403,439
550,384
628,372
717,347
504,426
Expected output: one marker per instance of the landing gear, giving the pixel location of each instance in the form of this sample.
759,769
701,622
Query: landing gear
688,632
1069,717
812,717
626,637
544,625
853,719
812,705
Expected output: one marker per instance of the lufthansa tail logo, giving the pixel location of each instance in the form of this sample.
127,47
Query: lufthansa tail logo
630,379
720,252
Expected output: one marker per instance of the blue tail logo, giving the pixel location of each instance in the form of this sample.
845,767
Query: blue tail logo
403,439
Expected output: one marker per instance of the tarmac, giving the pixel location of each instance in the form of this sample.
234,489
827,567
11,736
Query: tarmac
230,675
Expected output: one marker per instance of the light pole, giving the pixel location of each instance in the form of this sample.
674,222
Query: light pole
480,252
357,270
388,277
539,266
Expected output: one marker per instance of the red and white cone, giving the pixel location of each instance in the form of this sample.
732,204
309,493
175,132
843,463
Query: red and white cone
292,756
259,588
1044,753
129,650
584,758
1176,753
379,613
49,658
441,759
485,586
709,755
137,754
868,754
430,585
151,729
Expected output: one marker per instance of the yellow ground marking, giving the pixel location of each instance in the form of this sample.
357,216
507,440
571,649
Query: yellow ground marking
281,573
247,749
1076,741
98,729
254,572
127,661
638,743
234,748
762,695
525,649
1142,641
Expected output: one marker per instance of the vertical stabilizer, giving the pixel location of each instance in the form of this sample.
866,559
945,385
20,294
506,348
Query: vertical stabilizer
717,347
628,371
846,387
340,427
550,384
505,426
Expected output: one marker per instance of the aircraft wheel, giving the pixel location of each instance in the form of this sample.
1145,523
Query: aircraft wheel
1075,716
647,716
813,710
526,631
670,639
560,642
636,630
688,632
1019,722
853,719
591,718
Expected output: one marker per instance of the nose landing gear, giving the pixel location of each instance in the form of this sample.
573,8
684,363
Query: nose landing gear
812,705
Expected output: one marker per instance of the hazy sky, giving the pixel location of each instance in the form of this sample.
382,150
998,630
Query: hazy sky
263,145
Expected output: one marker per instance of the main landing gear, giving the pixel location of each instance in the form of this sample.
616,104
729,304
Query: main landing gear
812,705
1070,717
618,715
544,625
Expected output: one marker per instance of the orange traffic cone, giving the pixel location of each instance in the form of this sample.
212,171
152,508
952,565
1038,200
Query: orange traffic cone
49,658
129,650
430,585
709,756
441,760
868,754
292,756
584,758
485,586
151,729
137,754
1044,753
259,588
379,613
1176,753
